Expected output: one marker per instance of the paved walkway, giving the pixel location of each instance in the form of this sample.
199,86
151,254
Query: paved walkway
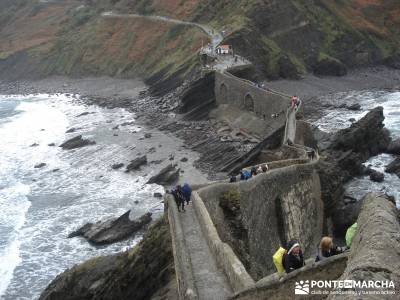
222,63
211,282
290,129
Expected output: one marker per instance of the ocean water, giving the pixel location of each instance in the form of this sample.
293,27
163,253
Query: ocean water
335,119
39,207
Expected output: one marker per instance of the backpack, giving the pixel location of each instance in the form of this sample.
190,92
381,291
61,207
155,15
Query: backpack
350,234
278,259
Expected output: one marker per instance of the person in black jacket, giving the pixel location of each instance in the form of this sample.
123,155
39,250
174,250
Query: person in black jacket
327,249
293,259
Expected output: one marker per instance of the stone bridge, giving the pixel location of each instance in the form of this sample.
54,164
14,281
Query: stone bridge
278,205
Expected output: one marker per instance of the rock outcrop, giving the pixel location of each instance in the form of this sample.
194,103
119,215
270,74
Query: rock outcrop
394,147
140,273
76,142
343,156
375,249
394,167
110,231
136,163
167,175
376,176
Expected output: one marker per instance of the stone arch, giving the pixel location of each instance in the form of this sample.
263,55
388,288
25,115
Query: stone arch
249,103
223,92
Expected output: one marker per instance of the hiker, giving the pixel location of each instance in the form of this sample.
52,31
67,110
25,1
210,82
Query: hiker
297,104
311,154
232,179
247,175
187,192
327,249
294,101
293,259
259,170
242,176
351,231
265,168
253,171
180,198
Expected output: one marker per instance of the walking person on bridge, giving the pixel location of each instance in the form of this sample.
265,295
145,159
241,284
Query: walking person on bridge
179,197
293,259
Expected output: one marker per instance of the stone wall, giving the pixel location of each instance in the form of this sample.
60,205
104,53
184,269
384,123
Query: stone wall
183,265
275,287
244,95
375,249
276,206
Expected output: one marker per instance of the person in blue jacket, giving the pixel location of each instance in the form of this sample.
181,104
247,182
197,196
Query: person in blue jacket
187,192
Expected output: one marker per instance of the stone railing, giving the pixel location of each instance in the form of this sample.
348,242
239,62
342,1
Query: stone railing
183,265
276,286
223,253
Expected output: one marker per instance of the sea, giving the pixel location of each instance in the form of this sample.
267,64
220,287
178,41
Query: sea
39,207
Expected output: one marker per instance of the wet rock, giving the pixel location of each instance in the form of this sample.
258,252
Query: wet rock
84,114
117,166
34,145
376,176
113,230
147,135
51,144
394,167
55,170
136,163
394,147
354,106
157,195
127,123
115,127
40,165
152,150
167,175
71,130
76,142
184,159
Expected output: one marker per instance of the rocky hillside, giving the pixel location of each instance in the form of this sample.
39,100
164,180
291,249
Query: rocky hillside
283,38
146,272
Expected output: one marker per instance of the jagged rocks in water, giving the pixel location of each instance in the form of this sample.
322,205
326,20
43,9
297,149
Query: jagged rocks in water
71,130
51,144
376,176
167,175
367,136
157,195
355,106
117,166
34,145
40,165
76,142
136,163
110,231
394,167
394,147
138,274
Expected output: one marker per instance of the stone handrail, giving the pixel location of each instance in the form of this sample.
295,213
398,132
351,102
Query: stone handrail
183,265
226,258
276,286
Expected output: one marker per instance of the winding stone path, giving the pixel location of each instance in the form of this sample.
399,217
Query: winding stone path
211,282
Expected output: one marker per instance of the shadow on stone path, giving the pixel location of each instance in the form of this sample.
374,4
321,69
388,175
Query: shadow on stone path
211,281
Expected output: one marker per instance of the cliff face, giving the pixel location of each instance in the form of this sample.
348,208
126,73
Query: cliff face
283,38
142,273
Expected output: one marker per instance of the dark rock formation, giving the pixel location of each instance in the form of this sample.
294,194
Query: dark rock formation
367,137
343,158
394,167
157,195
354,106
51,144
374,252
76,142
34,145
394,147
117,166
40,165
167,175
377,176
136,163
73,129
137,274
113,230
332,67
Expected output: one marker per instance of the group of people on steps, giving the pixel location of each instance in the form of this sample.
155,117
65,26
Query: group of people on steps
290,259
181,195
